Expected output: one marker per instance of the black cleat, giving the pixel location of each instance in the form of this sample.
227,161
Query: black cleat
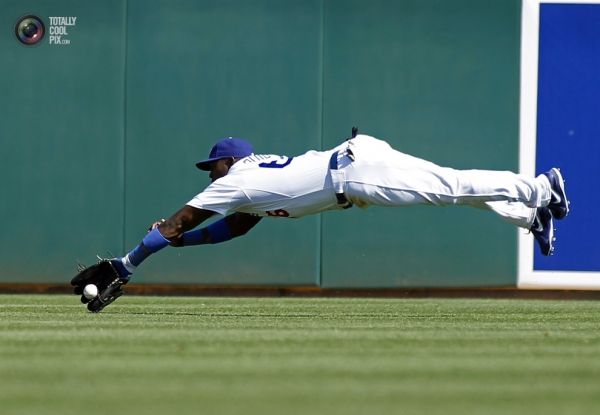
559,204
543,230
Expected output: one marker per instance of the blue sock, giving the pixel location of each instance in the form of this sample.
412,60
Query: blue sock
123,271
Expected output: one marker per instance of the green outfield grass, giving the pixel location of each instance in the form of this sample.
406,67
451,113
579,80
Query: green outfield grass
165,355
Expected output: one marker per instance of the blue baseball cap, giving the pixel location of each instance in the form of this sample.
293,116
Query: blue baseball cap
227,147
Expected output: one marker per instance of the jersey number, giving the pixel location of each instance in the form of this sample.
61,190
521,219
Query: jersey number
276,163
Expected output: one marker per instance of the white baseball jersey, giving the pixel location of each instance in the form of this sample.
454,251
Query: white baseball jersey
376,174
272,185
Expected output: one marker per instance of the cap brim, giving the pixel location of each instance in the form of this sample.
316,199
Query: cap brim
205,164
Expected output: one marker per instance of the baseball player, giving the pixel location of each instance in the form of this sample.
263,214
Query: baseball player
362,171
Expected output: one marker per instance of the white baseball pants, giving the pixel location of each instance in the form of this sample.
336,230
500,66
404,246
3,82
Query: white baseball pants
380,175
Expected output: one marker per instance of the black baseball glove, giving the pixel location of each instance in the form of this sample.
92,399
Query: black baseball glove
103,275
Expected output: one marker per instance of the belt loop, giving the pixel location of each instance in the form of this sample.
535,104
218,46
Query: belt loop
339,179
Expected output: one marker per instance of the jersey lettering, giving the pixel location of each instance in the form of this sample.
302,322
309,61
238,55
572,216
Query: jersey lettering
255,157
277,164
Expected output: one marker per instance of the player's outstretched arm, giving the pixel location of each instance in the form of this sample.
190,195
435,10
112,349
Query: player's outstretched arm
232,226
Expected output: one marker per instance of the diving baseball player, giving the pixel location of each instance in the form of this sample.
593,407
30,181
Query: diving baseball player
362,171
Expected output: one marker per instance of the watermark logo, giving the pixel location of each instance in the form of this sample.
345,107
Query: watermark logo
30,30
59,29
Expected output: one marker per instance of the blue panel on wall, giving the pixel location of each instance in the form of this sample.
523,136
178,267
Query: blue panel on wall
568,131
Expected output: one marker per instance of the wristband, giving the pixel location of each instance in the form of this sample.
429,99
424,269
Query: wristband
217,232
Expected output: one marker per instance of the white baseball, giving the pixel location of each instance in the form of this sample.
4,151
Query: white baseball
90,291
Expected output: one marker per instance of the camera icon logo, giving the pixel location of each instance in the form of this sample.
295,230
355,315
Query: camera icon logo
30,30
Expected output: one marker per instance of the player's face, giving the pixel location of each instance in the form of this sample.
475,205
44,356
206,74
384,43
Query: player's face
219,168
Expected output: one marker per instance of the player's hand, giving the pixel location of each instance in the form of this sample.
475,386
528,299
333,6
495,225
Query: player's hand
156,225
176,242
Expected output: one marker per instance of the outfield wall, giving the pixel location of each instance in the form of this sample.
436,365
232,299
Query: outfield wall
99,136
560,126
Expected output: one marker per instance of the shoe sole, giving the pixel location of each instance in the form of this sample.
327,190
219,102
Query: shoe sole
562,210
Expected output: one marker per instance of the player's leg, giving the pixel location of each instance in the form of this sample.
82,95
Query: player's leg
381,175
514,213
399,187
538,221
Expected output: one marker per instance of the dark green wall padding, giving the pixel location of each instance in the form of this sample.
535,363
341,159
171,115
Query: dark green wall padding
99,138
